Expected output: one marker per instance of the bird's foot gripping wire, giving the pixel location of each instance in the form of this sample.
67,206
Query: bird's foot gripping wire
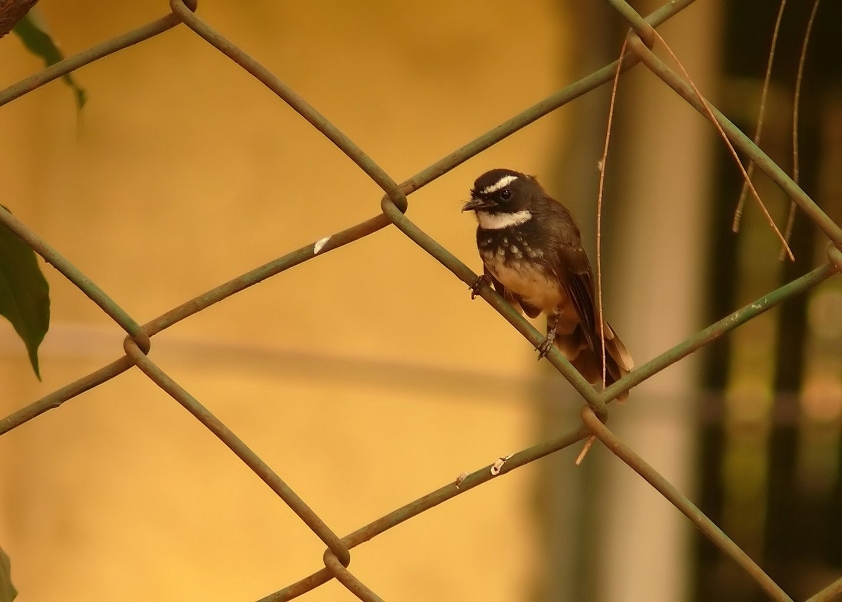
546,344
478,283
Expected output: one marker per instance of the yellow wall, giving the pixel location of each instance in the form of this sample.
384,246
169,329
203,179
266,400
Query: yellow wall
183,172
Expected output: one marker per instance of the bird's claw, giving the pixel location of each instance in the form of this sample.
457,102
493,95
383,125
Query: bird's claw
547,343
478,285
545,346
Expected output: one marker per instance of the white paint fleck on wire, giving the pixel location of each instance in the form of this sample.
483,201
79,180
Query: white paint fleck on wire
498,465
320,244
462,476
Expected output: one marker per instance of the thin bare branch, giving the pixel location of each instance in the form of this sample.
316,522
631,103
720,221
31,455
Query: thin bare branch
599,196
738,212
730,146
796,104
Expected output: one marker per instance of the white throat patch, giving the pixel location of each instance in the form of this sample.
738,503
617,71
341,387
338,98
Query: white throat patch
498,221
501,183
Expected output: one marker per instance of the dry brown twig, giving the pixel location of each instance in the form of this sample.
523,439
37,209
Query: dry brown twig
599,196
738,212
796,103
712,118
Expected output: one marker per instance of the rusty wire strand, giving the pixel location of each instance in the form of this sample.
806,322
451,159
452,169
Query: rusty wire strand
696,516
351,583
88,56
240,449
392,207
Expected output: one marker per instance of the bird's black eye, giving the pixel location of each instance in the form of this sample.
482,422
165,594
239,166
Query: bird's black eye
505,194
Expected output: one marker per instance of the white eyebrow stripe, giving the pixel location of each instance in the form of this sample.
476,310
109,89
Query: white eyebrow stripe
498,221
501,183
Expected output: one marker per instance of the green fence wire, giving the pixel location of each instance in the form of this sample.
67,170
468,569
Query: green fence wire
337,556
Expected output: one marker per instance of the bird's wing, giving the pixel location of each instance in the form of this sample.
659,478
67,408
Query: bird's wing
571,266
574,273
579,287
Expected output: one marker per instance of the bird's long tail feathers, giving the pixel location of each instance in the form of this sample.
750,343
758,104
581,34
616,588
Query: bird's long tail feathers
589,361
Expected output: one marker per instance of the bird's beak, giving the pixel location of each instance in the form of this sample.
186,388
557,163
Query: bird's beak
476,204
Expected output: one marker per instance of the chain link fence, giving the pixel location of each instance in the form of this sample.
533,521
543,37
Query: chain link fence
594,413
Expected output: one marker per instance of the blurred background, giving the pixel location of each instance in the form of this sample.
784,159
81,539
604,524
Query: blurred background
367,377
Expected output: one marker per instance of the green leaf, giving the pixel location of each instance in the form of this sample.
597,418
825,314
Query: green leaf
7,590
33,32
24,293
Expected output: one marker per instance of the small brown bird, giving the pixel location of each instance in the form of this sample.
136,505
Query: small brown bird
532,253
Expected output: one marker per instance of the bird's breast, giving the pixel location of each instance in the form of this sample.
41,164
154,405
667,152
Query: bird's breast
528,277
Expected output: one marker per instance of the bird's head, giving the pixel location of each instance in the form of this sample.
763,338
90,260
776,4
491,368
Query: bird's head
501,198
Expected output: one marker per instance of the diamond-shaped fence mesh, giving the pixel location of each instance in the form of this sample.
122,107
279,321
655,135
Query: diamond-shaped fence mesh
337,555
